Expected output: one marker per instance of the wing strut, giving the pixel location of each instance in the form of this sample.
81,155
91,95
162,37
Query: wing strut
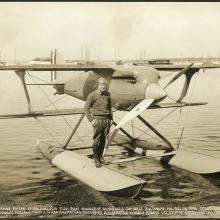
21,75
155,131
74,130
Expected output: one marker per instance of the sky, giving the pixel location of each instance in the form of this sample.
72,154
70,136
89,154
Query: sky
124,30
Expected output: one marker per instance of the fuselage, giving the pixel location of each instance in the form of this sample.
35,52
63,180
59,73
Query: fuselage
126,85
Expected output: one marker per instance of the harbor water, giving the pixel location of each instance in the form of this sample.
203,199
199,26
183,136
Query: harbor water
31,187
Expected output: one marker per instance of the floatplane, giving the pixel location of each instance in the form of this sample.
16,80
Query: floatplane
133,89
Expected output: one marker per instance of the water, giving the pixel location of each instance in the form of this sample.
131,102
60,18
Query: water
30,186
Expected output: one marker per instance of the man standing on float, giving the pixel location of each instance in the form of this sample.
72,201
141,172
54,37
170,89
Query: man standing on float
98,110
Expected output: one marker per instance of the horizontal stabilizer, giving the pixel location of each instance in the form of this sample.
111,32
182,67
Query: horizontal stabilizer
177,104
45,113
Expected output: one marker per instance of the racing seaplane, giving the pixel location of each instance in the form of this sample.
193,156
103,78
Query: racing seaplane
133,89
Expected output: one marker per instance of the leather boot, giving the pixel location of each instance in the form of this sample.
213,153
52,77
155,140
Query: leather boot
97,163
96,156
103,161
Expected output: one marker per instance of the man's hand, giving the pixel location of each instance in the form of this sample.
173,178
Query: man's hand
93,122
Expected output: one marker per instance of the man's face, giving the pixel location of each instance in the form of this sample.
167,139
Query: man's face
102,87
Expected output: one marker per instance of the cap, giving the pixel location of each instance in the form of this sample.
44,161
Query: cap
102,81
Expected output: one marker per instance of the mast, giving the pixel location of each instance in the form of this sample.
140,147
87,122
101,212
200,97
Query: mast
15,55
86,54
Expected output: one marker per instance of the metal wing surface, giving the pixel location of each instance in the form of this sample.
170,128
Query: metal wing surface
57,67
100,69
176,104
44,113
175,67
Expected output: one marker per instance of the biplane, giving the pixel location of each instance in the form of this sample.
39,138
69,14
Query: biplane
133,89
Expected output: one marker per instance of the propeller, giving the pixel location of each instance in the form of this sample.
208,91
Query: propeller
152,92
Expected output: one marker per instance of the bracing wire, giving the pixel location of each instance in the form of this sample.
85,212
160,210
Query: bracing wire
51,103
142,131
145,132
48,83
55,101
39,78
192,94
169,73
47,128
178,143
159,120
180,138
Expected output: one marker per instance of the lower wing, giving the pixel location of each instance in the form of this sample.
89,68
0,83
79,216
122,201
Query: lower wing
44,113
176,104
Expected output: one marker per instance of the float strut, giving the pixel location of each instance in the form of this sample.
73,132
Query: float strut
74,130
21,75
155,131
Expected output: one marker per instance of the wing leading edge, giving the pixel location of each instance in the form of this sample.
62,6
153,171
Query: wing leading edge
69,67
177,104
47,113
44,113
57,67
175,67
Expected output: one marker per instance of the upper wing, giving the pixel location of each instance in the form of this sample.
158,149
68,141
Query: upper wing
115,73
69,67
57,67
174,67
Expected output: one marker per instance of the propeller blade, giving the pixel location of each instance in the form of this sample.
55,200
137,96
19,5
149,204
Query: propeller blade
154,91
138,109
165,82
109,140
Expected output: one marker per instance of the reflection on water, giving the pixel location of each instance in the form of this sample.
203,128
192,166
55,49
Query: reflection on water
29,180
